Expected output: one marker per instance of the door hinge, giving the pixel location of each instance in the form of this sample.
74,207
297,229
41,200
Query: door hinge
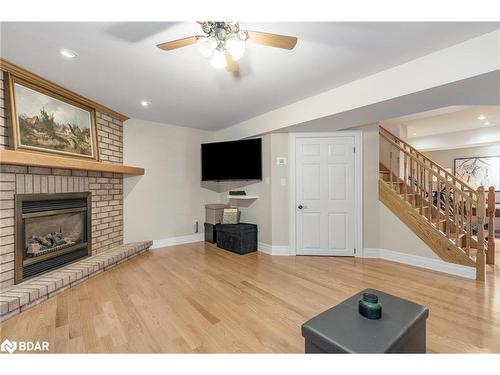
354,250
354,149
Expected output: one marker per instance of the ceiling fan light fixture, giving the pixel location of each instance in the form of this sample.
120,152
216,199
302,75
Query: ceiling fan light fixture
218,59
236,47
224,43
207,46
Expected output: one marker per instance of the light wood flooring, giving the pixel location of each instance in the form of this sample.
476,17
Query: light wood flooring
197,298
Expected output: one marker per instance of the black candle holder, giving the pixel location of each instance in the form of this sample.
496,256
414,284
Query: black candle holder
369,307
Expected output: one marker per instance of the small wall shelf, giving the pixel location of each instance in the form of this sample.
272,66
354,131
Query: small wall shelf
242,196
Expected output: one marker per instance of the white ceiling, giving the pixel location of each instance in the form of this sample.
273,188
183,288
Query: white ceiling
461,120
118,64
450,127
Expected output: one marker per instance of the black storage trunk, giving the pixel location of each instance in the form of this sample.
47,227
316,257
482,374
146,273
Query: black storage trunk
210,233
239,238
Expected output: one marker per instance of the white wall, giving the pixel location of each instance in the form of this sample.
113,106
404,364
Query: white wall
164,202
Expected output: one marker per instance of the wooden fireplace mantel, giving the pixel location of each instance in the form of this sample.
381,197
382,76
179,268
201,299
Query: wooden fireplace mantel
40,160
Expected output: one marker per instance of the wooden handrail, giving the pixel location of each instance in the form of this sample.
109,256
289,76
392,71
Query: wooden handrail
453,207
457,180
467,196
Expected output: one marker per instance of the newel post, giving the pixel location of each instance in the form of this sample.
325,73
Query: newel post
490,255
480,256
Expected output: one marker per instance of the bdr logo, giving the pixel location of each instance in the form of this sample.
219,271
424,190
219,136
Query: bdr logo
24,346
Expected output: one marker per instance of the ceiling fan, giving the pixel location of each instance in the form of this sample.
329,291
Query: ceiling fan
224,43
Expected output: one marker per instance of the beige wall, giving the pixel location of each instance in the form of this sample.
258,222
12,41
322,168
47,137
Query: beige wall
446,157
370,186
396,236
164,202
279,189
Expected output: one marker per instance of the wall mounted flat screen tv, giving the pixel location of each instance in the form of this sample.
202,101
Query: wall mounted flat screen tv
236,160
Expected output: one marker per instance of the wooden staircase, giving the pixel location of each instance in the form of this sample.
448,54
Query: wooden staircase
444,211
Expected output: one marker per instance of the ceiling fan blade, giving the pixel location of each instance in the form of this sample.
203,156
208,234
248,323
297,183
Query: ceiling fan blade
173,44
232,66
272,40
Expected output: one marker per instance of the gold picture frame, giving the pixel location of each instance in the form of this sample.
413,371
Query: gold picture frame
45,121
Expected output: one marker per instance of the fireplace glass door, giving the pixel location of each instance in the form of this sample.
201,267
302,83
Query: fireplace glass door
53,233
51,230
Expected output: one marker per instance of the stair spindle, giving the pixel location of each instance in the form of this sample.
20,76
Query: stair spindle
480,256
429,196
468,233
405,185
447,208
490,256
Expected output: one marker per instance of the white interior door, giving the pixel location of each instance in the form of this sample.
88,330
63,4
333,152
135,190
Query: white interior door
325,196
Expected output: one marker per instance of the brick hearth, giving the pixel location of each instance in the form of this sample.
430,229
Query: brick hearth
27,294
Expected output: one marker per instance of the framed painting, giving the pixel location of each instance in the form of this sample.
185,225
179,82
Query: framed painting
44,121
479,171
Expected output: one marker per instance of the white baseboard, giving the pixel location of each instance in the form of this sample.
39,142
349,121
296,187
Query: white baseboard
164,242
273,250
423,262
411,260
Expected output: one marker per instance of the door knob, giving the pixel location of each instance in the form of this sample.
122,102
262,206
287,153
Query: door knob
300,207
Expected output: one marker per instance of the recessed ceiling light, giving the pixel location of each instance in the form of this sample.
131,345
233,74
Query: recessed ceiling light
414,134
145,103
487,123
68,53
481,117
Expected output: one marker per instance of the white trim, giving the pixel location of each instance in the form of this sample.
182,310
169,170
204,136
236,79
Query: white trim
358,184
273,250
165,242
422,262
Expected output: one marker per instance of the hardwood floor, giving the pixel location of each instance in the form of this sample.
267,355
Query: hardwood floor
197,298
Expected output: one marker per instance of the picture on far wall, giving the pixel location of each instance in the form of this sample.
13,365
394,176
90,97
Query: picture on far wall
45,121
479,171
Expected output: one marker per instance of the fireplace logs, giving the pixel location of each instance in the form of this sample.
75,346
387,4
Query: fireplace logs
38,245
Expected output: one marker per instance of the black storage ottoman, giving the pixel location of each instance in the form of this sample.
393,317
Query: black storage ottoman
239,238
210,233
342,329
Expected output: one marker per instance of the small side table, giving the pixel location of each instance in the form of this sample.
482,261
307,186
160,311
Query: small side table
341,329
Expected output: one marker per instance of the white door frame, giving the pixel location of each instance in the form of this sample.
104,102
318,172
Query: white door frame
358,185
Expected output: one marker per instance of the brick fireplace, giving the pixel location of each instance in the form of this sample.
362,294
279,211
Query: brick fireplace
51,230
105,189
